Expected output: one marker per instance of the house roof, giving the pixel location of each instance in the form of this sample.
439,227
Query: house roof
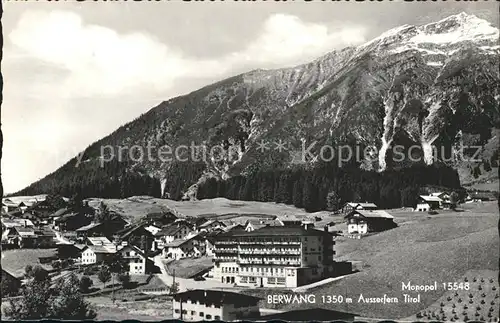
136,249
170,230
210,222
124,233
363,205
310,314
99,241
88,227
66,217
429,198
216,297
258,224
177,243
25,232
108,249
371,214
438,194
10,223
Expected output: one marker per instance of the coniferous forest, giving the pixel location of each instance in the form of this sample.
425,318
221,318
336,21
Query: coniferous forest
309,188
113,180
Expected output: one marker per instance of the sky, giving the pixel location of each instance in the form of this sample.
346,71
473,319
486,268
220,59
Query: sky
75,71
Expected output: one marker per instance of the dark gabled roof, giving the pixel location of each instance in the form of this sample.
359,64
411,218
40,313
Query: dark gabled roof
276,231
171,229
311,314
216,297
7,275
124,233
60,212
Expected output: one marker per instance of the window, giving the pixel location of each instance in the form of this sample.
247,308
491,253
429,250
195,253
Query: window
208,317
305,258
319,258
202,314
193,313
177,310
217,317
184,311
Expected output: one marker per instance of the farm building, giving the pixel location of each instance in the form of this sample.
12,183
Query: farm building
434,202
348,207
365,221
194,246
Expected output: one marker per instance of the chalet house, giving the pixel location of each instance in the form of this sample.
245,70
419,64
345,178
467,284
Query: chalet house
137,235
69,250
160,219
194,246
252,225
42,208
350,206
482,197
433,203
97,254
208,305
175,231
104,229
45,238
24,237
71,221
10,223
442,195
366,221
8,205
137,261
211,225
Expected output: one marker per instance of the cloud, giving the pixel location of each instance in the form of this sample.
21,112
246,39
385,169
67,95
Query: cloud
101,61
286,39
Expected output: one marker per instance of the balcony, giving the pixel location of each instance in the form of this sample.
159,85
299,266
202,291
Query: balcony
225,250
226,242
262,242
268,262
268,252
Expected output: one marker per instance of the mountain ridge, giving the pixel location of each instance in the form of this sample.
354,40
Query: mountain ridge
398,88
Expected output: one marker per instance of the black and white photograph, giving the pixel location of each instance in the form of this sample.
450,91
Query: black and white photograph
300,160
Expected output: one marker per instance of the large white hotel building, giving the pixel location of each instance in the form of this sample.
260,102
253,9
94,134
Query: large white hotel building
274,256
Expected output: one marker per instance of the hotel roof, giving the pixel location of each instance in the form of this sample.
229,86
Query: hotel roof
277,231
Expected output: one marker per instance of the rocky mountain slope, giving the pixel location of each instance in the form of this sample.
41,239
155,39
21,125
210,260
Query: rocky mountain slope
426,86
